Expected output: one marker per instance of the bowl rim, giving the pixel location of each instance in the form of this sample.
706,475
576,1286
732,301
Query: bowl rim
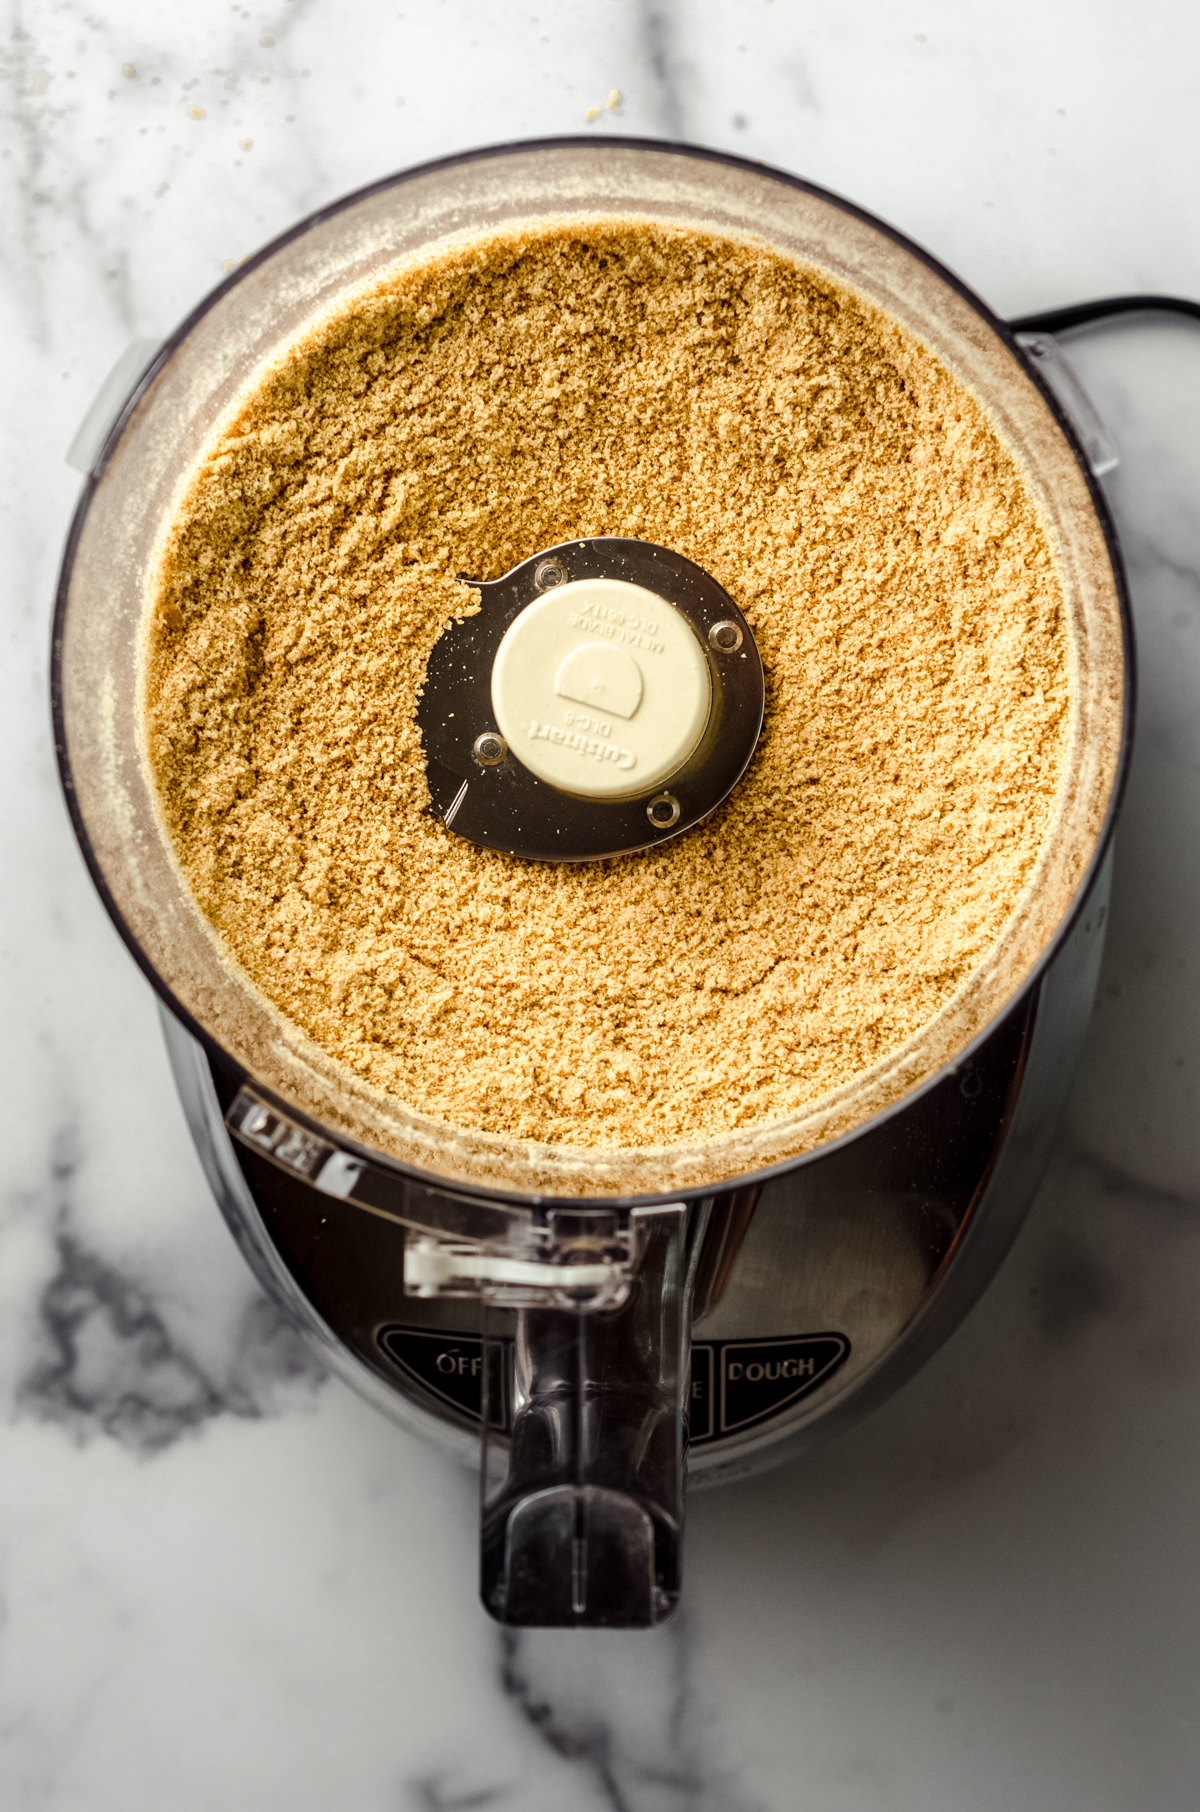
383,1164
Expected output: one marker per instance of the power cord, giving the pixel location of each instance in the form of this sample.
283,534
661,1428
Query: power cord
1081,314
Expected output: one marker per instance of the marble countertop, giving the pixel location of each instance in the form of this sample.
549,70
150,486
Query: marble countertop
226,1582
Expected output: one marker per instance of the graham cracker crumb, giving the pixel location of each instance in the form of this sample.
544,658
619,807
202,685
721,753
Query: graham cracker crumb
697,392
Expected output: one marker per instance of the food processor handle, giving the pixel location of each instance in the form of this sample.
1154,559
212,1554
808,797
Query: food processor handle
587,1315
585,1442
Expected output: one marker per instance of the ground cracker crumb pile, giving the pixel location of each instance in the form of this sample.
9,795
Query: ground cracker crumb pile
696,392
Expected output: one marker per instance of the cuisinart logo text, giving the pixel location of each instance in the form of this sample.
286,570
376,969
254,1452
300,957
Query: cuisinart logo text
595,746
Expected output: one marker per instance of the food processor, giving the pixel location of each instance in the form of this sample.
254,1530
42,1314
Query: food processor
606,1327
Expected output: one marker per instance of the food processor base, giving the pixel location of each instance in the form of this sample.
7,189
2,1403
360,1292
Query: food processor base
818,1292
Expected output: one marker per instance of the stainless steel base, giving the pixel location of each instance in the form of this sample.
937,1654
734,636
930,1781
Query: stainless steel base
856,1265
